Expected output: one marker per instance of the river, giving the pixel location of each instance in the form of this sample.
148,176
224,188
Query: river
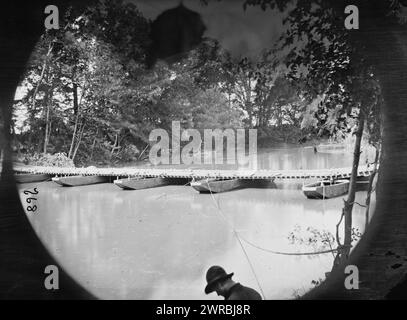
158,243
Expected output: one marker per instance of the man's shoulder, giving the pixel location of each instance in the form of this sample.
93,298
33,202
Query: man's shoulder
240,292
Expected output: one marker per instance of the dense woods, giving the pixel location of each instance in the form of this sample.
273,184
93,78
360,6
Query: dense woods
334,109
92,92
88,91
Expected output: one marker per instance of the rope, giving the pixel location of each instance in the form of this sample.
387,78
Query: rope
290,253
238,239
265,249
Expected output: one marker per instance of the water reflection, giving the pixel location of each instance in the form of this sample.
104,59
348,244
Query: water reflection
158,243
288,157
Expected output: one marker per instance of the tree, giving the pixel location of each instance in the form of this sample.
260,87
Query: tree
383,39
260,89
79,72
380,34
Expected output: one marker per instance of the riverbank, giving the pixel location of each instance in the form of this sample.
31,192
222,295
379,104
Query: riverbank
60,159
158,243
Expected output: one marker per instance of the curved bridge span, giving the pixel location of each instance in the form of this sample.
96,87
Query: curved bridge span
196,173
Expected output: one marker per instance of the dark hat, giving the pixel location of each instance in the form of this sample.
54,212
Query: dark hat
214,275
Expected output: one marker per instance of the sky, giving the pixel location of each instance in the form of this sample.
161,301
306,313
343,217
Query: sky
243,33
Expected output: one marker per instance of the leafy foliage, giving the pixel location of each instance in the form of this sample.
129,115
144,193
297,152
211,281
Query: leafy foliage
48,160
318,240
89,92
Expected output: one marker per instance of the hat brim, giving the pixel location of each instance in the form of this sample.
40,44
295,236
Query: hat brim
210,286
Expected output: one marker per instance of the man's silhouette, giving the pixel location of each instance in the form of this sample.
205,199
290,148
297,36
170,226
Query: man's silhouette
221,282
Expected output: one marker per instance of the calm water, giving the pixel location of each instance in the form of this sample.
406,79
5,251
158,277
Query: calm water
158,243
287,157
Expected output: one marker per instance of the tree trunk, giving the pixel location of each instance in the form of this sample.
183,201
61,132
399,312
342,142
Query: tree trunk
44,67
74,91
47,123
47,106
376,253
115,146
370,186
71,149
23,255
75,98
348,206
79,141
76,109
93,145
49,130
